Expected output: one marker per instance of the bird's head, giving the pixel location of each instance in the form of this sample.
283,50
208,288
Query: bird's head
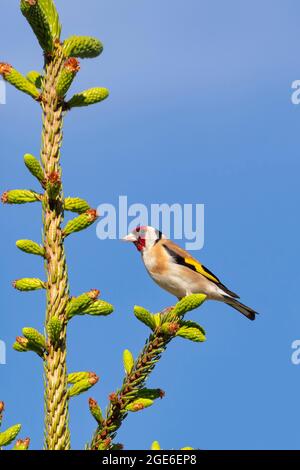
144,237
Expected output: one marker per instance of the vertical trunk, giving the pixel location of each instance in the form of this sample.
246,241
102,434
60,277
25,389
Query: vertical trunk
57,435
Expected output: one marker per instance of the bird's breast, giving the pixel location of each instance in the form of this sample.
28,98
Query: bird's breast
155,260
162,272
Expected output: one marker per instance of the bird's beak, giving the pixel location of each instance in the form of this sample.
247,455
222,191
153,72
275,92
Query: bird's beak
129,238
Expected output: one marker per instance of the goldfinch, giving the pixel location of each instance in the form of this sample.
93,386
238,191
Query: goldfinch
176,271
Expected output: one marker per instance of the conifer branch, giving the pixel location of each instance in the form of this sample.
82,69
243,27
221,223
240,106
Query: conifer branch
132,396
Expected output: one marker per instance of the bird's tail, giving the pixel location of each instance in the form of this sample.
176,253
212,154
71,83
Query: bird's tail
247,311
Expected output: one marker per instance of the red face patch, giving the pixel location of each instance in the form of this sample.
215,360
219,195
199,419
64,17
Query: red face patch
140,243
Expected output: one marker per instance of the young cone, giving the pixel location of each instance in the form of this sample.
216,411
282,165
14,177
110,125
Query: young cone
83,385
20,82
98,308
145,317
82,46
54,329
67,75
155,445
76,204
9,435
95,411
25,345
34,167
44,21
138,405
19,347
192,331
188,303
20,196
78,304
87,98
128,361
30,247
78,376
28,284
35,338
81,222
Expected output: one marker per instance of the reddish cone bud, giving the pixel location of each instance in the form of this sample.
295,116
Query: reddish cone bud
173,327
54,177
22,444
5,68
93,379
113,397
72,65
94,294
22,341
93,214
92,403
138,406
4,197
106,443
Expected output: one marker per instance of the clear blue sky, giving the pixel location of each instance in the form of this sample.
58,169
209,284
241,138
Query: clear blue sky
200,112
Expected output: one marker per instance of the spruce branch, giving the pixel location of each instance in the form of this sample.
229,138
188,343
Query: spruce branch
132,396
118,408
49,89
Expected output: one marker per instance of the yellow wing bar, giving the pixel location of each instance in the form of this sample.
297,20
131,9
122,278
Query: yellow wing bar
201,269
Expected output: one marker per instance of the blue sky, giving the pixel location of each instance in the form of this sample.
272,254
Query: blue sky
200,111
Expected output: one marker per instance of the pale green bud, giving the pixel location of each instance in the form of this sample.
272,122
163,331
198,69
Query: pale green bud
82,46
128,361
33,248
145,317
18,80
9,435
